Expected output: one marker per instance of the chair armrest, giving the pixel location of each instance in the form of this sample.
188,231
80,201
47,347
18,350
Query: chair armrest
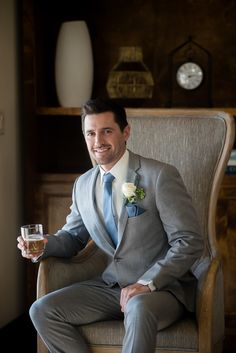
211,309
55,272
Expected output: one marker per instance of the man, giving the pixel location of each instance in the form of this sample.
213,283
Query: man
154,241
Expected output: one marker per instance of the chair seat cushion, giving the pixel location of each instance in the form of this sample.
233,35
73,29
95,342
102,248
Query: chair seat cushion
181,335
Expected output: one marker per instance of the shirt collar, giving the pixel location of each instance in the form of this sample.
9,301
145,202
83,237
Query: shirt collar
119,170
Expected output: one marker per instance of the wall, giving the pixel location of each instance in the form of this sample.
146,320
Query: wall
11,263
158,26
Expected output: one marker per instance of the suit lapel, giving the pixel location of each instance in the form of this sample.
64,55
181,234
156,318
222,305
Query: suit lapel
132,177
91,217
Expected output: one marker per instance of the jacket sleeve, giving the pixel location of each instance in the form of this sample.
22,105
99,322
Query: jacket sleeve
182,229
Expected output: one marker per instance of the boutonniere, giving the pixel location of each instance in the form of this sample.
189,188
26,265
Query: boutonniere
132,193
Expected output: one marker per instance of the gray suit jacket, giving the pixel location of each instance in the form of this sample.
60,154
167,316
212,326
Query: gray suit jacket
160,245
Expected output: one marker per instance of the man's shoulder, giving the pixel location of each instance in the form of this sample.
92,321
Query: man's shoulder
87,175
152,162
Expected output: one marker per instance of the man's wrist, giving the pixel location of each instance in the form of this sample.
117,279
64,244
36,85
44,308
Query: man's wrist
150,285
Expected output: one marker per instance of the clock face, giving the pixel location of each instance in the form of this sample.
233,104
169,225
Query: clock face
189,75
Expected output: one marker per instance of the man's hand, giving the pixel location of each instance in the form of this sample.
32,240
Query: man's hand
22,245
131,291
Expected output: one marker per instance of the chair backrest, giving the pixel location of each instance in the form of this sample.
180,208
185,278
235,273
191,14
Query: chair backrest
198,142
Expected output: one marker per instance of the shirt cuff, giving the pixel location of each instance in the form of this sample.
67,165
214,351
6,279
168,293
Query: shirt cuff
149,284
36,259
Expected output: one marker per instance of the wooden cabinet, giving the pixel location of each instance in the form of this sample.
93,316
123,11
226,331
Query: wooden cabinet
52,200
226,238
60,143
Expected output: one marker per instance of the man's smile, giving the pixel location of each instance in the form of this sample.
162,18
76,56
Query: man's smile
101,150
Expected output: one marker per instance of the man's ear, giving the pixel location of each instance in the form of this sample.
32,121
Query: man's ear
126,132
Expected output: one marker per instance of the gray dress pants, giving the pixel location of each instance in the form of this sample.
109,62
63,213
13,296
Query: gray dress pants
56,314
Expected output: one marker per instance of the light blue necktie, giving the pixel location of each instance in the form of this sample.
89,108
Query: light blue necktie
108,214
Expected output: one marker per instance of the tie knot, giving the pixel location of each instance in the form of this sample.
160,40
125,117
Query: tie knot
108,178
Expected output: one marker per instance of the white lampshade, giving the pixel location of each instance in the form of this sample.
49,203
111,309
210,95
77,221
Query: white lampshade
73,64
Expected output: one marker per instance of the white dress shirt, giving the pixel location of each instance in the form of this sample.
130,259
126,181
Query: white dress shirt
119,170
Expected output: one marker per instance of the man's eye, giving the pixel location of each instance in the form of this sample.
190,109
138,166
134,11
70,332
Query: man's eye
89,134
108,131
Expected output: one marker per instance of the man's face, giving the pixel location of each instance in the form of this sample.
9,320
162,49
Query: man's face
105,141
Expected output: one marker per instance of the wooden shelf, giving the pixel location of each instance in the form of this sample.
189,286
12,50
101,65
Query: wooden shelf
229,179
77,111
58,111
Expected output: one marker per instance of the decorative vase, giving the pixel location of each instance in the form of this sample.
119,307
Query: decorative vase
130,77
73,64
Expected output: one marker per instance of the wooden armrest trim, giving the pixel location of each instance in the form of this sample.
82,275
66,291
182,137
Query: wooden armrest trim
205,321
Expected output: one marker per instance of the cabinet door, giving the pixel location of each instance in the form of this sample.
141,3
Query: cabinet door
53,200
51,206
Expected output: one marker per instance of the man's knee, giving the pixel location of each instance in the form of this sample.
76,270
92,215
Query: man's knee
39,310
138,306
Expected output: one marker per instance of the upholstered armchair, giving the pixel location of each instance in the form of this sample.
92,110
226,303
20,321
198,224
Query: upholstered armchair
198,142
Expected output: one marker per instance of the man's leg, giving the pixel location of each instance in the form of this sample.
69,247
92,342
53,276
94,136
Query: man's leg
145,314
56,314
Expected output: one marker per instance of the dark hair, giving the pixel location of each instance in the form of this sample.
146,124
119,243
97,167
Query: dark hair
98,105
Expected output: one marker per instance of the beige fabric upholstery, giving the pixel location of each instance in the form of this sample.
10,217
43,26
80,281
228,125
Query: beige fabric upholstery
198,143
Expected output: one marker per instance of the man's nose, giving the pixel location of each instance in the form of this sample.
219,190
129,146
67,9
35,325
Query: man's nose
98,139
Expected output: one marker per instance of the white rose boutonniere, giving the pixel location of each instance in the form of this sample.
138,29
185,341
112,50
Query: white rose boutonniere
132,193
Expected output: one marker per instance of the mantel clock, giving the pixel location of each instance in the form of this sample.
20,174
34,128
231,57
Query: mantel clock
190,76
